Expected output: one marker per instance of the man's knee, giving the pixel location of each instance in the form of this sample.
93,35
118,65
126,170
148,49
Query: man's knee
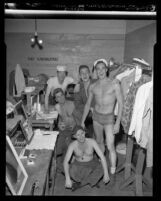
111,147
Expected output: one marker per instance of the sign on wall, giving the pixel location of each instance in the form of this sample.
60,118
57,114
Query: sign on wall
42,58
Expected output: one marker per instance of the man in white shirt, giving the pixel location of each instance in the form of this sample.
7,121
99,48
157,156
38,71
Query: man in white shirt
60,81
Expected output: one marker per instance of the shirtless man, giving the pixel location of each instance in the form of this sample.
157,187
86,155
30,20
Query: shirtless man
66,122
85,169
106,92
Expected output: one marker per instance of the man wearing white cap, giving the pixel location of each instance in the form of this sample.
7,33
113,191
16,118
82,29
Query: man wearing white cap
60,81
106,92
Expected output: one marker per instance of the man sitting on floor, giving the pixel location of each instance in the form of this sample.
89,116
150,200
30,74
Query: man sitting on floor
85,168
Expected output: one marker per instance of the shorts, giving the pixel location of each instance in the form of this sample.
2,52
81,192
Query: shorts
103,119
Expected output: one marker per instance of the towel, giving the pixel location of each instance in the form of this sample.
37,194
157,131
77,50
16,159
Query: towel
19,80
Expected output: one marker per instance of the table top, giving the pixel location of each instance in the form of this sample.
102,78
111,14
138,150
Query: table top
41,120
38,171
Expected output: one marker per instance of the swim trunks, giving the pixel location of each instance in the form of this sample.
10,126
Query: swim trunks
103,119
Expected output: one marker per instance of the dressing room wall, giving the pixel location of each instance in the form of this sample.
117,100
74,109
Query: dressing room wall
140,43
75,42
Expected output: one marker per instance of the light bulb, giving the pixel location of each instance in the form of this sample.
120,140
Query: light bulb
32,40
40,41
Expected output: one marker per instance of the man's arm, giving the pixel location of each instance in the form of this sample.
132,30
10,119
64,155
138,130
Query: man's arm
87,105
103,160
119,98
66,163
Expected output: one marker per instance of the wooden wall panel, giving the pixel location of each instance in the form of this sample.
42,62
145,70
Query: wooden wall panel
69,49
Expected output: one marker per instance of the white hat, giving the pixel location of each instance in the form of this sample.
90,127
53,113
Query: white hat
61,68
98,60
141,62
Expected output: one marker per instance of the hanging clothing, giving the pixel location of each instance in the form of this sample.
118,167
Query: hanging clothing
126,82
124,74
129,102
120,77
19,80
139,105
146,136
138,73
119,70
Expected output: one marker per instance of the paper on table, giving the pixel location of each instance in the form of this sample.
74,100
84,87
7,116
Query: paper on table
52,115
41,141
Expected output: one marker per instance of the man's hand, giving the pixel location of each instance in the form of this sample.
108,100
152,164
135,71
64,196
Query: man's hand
106,179
61,125
83,125
68,183
116,128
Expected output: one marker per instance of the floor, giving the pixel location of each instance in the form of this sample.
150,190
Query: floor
112,189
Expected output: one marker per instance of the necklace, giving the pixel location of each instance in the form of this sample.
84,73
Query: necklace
82,148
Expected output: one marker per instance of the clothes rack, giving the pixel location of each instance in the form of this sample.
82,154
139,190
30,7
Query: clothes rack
127,166
137,177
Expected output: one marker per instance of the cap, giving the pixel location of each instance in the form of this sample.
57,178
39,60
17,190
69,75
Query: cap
61,68
98,60
141,62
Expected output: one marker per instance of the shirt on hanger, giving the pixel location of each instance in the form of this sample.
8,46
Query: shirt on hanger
125,83
125,73
129,102
120,77
139,105
146,136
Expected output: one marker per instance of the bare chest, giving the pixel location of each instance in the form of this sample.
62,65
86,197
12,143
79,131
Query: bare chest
83,151
66,109
104,90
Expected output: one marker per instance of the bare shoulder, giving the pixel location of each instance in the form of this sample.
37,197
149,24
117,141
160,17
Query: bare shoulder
56,105
91,141
92,86
116,83
51,81
73,144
